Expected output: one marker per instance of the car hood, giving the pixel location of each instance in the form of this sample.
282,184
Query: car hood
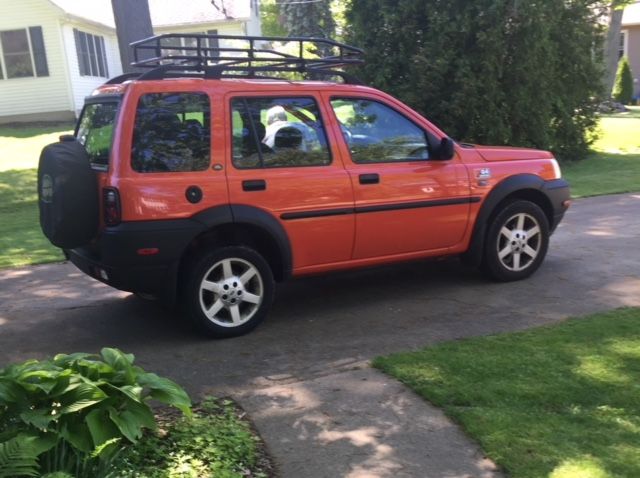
505,153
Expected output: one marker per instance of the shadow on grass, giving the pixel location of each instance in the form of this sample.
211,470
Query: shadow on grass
17,186
537,401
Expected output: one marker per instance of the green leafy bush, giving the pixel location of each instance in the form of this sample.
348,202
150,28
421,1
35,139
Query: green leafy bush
488,71
623,87
75,413
214,443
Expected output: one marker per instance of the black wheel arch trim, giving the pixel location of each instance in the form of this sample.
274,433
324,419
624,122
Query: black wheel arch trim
556,191
242,214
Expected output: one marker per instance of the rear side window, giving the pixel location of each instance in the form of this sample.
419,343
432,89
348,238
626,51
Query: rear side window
95,131
278,132
171,133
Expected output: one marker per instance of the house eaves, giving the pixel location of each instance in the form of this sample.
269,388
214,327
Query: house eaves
631,15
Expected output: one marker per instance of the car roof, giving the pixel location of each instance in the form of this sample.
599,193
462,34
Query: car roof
229,84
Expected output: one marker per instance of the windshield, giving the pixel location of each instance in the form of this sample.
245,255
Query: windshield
95,130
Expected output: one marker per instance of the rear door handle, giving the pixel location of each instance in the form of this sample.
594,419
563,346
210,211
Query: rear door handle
369,179
254,185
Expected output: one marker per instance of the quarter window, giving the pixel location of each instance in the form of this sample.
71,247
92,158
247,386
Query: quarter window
375,133
23,53
92,55
278,132
172,133
95,131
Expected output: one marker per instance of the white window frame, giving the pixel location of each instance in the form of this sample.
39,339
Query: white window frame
625,43
5,73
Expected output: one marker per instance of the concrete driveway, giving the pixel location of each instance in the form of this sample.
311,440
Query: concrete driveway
303,374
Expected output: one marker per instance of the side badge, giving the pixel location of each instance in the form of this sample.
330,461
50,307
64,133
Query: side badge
482,176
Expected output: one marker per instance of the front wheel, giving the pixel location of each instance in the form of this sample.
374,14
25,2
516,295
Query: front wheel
229,291
516,242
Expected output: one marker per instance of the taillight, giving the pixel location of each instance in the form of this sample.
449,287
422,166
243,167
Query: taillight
111,205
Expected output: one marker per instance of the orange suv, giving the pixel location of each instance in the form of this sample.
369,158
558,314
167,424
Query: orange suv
213,175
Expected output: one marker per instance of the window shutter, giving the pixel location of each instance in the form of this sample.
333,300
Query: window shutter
213,43
39,53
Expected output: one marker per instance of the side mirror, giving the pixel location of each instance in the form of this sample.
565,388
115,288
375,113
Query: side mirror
445,150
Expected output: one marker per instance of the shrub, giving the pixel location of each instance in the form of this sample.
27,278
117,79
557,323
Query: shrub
74,413
623,87
488,71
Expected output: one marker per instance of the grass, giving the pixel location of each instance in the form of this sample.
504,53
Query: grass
216,442
615,165
21,145
559,401
21,241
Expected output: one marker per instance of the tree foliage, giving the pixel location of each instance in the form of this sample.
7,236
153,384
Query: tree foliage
623,88
307,18
270,19
488,71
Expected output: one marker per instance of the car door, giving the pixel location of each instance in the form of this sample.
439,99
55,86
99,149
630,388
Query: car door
283,164
405,200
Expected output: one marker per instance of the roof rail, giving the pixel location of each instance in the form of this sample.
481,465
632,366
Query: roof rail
218,56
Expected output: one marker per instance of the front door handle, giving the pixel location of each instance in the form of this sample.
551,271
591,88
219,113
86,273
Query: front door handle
369,179
254,185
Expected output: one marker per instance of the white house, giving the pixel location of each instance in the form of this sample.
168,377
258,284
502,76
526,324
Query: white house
630,42
53,53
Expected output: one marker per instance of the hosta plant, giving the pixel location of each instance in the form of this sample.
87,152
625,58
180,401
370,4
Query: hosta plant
74,413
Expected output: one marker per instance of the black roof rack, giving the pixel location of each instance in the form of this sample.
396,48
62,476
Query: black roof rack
232,56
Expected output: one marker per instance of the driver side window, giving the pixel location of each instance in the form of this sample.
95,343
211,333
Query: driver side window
376,133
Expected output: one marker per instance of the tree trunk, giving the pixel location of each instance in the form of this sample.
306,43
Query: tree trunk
611,48
133,22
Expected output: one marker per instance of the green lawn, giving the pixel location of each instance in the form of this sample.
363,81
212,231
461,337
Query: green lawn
558,402
21,146
21,241
615,166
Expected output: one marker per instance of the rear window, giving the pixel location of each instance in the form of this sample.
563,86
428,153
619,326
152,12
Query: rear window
171,133
95,131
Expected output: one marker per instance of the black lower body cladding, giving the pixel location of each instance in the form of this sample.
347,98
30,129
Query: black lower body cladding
67,195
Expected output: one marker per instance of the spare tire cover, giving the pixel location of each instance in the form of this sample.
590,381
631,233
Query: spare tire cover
67,195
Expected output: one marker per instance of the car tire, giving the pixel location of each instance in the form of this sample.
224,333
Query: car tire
516,242
229,291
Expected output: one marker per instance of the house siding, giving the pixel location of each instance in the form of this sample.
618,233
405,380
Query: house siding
224,28
633,53
82,86
49,94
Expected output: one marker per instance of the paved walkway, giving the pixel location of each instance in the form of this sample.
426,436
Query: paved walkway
303,375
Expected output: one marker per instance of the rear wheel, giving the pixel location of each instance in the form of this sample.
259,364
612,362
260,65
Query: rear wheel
517,242
229,291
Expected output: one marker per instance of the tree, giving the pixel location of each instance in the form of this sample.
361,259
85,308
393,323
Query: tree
270,19
488,71
623,88
308,18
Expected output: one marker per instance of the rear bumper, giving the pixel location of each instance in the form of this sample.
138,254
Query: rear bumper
120,256
559,194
